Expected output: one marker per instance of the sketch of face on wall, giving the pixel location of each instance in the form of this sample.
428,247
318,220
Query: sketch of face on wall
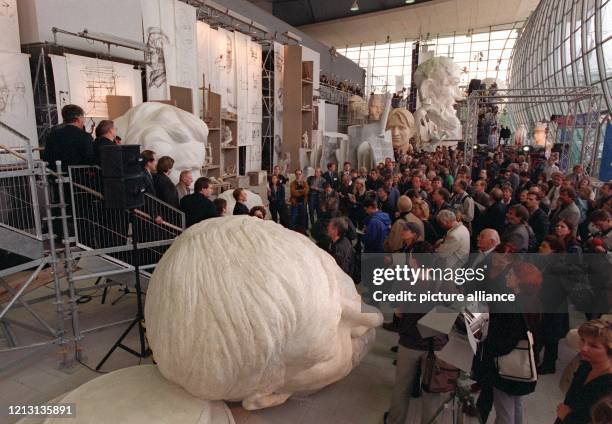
224,60
19,106
5,94
155,56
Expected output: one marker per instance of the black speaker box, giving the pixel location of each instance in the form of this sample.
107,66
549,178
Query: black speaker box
124,193
120,160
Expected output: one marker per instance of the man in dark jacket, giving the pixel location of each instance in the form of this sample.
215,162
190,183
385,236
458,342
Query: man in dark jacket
495,215
105,136
164,187
538,220
516,232
69,143
377,226
149,163
331,176
197,206
240,197
341,248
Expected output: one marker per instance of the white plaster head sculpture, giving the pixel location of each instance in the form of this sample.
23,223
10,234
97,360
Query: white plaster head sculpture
168,131
376,106
520,135
139,395
403,127
437,80
539,134
255,313
358,108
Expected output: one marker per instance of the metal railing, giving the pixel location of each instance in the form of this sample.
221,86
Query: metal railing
98,227
19,206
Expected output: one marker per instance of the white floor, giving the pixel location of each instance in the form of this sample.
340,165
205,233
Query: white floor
32,376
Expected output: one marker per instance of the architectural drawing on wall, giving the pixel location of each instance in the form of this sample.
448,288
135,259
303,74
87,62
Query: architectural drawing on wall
154,58
90,80
242,85
254,88
60,82
9,27
279,67
16,99
185,37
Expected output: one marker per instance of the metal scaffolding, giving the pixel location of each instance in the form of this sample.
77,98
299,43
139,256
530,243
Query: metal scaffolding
587,139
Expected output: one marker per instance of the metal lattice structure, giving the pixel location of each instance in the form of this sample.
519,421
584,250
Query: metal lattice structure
587,139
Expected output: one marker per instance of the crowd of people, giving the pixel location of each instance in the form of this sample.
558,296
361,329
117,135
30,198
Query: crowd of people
341,85
508,202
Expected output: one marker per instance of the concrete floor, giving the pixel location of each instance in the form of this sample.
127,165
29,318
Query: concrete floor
32,376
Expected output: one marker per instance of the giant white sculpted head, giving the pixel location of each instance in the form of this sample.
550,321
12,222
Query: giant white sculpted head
437,80
168,131
242,309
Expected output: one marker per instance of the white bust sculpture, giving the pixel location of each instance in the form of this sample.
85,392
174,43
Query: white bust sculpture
227,136
111,398
520,135
305,143
403,128
256,313
437,80
539,134
168,131
358,108
376,106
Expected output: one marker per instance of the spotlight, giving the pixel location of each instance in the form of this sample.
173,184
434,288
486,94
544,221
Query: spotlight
409,1
475,147
526,148
355,6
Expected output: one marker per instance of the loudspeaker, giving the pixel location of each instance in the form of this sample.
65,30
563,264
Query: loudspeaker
125,192
120,160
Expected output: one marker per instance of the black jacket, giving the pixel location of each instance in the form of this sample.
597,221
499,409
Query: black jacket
240,209
342,251
582,397
538,221
333,178
149,184
495,217
97,145
165,189
197,207
68,144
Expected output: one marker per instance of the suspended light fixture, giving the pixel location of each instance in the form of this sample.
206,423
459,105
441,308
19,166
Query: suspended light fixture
355,6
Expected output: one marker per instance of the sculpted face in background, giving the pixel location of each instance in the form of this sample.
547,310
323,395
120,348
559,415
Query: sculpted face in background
376,106
168,131
248,319
437,80
358,108
403,128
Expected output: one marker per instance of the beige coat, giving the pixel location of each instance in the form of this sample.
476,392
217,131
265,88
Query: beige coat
393,242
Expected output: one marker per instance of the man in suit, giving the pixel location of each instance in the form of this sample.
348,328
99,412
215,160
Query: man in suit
198,206
553,192
165,189
149,162
495,215
538,219
69,143
105,136
331,176
567,209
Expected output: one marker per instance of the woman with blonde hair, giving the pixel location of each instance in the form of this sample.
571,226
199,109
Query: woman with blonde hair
421,209
592,381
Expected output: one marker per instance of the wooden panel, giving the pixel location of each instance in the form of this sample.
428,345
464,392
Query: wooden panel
183,97
118,105
292,105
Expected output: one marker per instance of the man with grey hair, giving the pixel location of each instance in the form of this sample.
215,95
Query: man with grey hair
454,249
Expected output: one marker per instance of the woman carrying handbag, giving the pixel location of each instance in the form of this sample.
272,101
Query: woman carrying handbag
508,353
